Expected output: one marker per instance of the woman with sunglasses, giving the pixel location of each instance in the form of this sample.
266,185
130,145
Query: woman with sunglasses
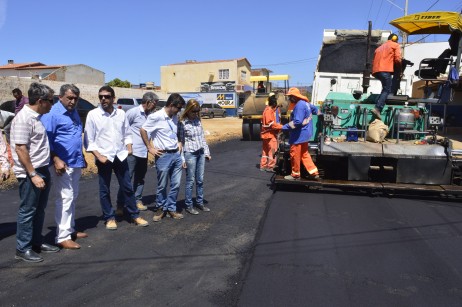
195,151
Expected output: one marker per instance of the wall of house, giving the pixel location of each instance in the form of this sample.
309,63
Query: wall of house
80,74
87,91
24,73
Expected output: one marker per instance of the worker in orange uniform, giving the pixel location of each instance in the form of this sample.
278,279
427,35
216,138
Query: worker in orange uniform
387,57
300,130
270,127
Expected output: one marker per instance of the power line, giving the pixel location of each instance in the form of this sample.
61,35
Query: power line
432,5
380,8
458,7
369,13
389,10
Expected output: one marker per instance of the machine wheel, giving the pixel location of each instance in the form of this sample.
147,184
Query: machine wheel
256,129
211,115
246,131
224,114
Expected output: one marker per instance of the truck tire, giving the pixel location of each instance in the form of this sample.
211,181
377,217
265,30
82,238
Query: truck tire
211,115
224,114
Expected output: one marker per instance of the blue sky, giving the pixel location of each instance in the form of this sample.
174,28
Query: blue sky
130,40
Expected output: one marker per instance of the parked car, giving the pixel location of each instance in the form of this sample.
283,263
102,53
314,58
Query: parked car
212,109
240,110
6,113
83,107
128,103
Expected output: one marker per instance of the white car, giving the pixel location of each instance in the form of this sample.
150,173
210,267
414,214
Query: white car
127,103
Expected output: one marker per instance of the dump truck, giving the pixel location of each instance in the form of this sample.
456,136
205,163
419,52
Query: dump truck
415,154
256,102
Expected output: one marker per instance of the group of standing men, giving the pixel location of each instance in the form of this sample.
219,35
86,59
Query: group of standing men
46,143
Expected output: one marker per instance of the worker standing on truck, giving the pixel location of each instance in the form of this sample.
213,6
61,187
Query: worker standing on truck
300,130
387,58
270,127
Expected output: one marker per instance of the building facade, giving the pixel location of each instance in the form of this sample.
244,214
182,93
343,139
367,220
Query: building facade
193,76
223,82
78,73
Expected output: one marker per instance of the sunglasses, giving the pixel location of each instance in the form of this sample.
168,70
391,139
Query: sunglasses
104,96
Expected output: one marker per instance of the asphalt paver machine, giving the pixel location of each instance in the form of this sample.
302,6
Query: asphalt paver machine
414,156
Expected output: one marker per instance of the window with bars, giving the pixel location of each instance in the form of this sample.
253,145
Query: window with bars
243,76
223,74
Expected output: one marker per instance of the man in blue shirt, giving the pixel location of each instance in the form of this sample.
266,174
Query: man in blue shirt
138,158
64,131
300,130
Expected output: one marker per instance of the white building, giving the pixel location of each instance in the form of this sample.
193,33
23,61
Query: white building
78,73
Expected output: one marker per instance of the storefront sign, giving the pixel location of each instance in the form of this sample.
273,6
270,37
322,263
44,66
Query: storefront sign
218,86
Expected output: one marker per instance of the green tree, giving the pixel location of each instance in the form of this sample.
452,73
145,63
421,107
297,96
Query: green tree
119,83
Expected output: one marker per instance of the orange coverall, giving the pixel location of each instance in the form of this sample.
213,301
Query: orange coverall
269,131
386,56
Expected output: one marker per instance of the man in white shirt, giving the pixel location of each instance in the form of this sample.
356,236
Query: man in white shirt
108,138
138,160
162,127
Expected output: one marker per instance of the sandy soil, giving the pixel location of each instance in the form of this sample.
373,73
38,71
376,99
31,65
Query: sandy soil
222,129
216,130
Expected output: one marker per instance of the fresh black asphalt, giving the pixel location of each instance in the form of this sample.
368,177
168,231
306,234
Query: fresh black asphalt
196,261
257,247
338,249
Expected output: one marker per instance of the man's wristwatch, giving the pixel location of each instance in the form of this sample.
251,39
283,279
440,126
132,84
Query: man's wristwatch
32,174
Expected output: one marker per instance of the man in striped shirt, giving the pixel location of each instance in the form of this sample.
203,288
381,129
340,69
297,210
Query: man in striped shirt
31,155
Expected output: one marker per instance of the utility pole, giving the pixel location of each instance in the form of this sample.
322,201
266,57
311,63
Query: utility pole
404,34
405,14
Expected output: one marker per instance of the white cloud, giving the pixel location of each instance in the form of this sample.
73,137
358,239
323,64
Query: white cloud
3,5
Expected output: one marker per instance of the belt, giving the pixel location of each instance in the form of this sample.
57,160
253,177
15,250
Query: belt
171,151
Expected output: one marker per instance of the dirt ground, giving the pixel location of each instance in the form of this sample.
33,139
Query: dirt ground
216,130
222,129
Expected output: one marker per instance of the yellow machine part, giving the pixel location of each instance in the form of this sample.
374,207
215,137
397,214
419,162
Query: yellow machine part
252,113
255,104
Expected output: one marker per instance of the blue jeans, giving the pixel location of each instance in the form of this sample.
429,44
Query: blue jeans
168,166
120,169
137,168
194,174
385,79
31,214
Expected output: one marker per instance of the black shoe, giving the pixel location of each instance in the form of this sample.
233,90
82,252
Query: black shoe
28,256
203,208
192,211
46,248
312,177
